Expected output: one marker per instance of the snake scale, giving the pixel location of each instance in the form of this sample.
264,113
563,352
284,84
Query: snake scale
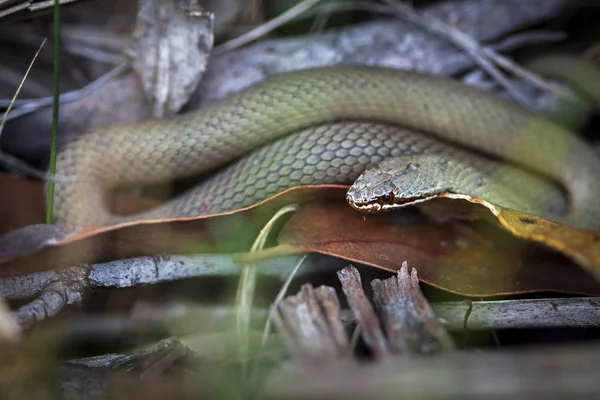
327,125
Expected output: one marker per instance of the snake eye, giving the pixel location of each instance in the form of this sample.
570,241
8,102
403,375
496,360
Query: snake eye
386,198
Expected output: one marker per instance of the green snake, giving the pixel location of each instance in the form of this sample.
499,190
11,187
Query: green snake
415,132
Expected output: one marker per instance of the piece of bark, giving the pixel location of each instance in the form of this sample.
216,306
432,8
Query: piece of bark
365,315
311,328
410,324
67,288
170,51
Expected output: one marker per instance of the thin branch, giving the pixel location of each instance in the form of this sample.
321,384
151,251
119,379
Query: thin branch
265,28
484,57
4,117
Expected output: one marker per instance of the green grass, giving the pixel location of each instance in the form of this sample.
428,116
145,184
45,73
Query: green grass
55,113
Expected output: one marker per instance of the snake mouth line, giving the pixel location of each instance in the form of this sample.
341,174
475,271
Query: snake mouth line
376,206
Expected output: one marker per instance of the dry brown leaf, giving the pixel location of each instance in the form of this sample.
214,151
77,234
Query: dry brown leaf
41,247
581,245
450,256
443,255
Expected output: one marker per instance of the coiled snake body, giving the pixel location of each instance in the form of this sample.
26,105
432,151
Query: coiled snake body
339,120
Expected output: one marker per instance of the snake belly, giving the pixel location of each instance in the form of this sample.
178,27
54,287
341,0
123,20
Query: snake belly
439,109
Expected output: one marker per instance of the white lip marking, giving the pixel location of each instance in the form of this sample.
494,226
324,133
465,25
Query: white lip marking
375,207
369,207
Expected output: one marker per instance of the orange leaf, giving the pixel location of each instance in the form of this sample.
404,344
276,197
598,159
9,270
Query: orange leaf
444,256
438,251
41,247
581,245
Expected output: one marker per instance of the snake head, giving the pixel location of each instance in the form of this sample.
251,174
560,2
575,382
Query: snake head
396,183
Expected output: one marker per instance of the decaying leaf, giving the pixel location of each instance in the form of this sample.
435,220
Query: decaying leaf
581,245
41,247
443,254
451,255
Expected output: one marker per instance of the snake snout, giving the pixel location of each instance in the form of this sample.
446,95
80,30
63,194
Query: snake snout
359,200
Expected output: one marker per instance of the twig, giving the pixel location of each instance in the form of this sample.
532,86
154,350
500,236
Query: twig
522,39
410,324
67,288
29,106
10,105
8,160
366,317
11,162
265,28
583,312
20,167
310,327
482,56
149,271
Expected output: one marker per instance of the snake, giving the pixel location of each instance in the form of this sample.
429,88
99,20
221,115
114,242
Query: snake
337,124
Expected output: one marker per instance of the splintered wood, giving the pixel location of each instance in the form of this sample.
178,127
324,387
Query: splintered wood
420,359
402,323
